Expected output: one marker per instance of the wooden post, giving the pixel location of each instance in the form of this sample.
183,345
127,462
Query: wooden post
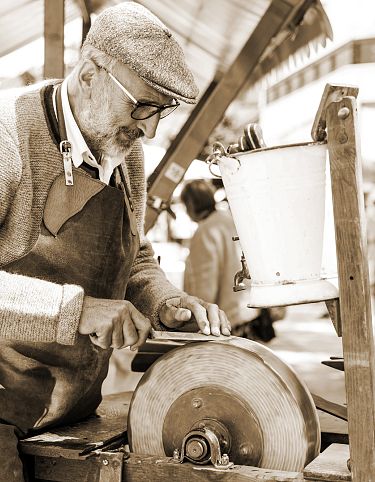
54,39
355,304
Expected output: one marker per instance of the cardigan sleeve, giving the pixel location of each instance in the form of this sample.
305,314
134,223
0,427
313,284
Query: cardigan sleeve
31,309
148,288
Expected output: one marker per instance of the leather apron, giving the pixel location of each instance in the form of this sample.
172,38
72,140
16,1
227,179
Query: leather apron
88,237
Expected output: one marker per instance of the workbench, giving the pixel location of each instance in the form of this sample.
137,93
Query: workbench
96,450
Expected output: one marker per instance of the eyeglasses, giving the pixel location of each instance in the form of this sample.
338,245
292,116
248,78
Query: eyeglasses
144,110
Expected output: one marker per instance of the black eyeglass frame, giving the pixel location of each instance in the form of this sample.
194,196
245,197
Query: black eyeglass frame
137,103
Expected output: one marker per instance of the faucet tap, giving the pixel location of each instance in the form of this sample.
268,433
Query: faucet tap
239,285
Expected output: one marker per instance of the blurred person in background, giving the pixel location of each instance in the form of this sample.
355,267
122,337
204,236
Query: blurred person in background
77,274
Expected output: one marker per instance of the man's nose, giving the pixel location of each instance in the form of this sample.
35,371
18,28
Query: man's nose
149,126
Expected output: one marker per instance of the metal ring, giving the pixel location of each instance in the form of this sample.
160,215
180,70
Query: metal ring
210,164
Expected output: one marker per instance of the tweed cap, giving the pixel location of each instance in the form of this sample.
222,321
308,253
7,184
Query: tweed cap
133,35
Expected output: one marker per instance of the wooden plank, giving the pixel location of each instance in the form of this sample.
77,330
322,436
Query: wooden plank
333,430
72,441
54,18
208,114
355,308
330,465
327,406
332,424
65,470
101,467
145,468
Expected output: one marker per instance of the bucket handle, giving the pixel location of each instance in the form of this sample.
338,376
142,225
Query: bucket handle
218,152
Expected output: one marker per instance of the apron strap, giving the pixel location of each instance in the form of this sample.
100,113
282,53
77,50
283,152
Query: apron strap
128,201
65,145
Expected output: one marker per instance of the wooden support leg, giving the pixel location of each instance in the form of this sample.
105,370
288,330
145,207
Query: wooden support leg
355,308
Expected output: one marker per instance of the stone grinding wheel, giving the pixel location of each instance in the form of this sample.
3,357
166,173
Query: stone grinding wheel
268,412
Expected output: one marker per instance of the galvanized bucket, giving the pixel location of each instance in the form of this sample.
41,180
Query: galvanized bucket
281,203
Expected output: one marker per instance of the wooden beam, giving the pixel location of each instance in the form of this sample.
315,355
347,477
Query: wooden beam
207,115
85,7
330,465
54,18
145,468
355,307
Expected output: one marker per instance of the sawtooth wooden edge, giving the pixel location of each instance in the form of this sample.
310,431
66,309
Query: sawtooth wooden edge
332,93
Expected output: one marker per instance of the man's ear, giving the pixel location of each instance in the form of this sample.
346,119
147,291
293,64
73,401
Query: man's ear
86,74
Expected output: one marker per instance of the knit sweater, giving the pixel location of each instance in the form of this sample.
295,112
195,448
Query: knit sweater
33,309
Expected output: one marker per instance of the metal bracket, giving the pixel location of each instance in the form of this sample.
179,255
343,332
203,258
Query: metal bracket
110,466
160,205
214,455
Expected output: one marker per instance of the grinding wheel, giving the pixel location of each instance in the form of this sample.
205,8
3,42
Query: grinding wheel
260,408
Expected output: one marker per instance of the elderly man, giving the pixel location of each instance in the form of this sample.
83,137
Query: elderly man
78,276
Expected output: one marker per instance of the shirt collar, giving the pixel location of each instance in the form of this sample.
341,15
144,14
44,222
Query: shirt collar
80,150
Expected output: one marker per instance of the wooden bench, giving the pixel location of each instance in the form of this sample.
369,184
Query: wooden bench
96,450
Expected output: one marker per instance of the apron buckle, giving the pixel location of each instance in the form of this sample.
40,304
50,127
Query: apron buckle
66,152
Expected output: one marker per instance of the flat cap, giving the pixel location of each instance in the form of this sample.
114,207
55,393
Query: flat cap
133,35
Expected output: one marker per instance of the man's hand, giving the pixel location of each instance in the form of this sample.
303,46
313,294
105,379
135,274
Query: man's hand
113,323
176,312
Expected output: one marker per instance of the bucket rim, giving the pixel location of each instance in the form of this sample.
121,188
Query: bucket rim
271,148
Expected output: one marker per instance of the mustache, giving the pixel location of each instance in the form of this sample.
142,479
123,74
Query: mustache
131,134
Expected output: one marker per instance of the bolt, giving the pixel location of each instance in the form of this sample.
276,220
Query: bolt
224,459
196,402
105,462
176,454
246,449
343,113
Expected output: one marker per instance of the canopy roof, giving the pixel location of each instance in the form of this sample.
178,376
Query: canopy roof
212,32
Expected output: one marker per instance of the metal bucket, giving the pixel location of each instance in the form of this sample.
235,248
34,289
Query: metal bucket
281,203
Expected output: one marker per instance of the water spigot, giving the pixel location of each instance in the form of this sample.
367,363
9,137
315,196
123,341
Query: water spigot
239,285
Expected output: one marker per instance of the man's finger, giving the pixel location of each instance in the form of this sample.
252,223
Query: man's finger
129,332
200,314
182,314
102,339
224,324
143,327
214,319
117,335
172,315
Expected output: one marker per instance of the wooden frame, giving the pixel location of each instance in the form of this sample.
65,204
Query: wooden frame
337,114
354,290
